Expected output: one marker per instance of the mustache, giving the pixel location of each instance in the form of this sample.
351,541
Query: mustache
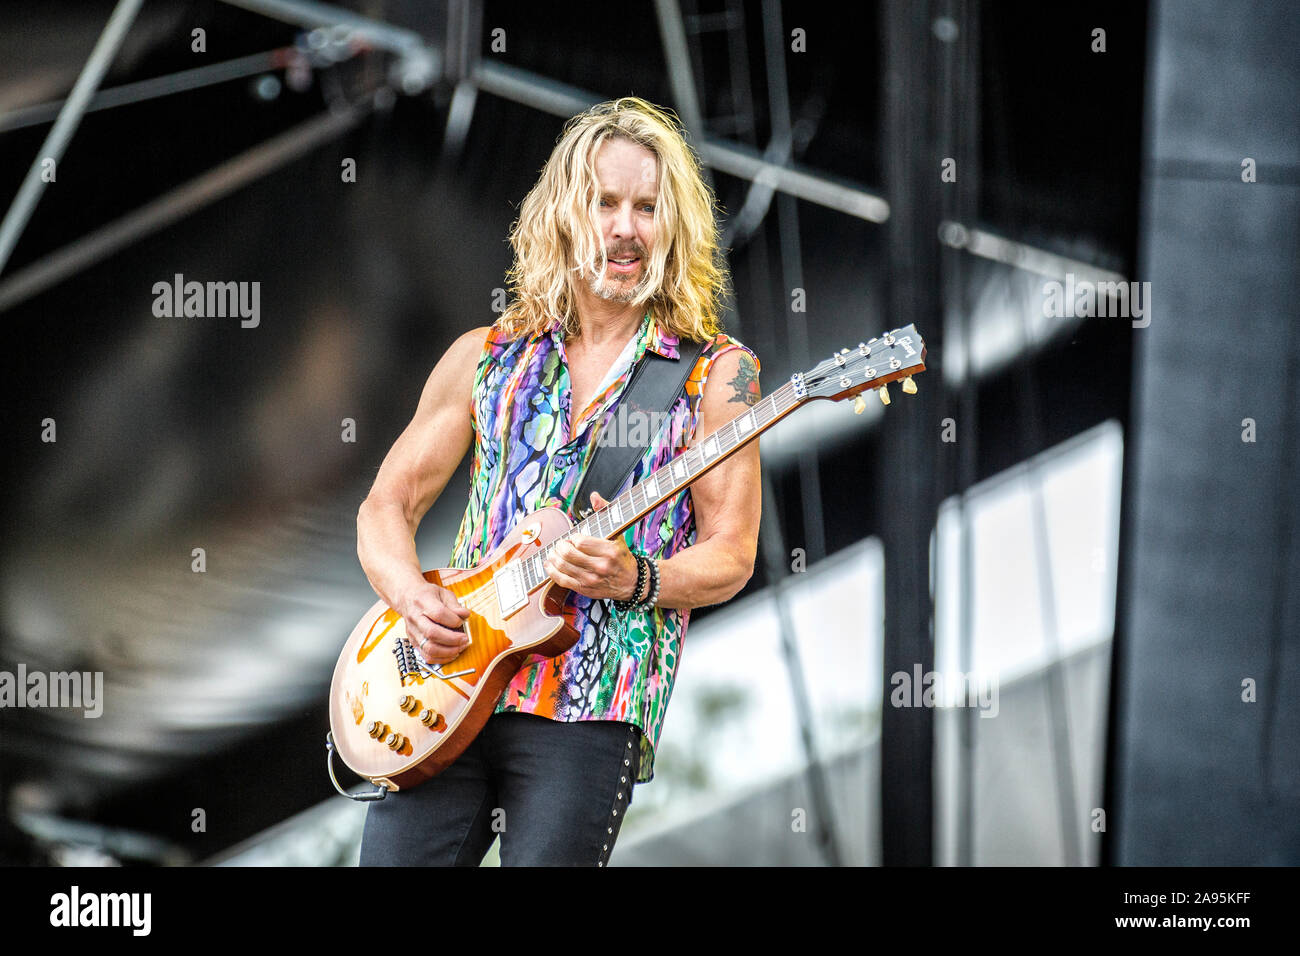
625,252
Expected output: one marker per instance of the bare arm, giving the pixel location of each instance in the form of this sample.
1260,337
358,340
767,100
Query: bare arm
413,474
727,504
727,500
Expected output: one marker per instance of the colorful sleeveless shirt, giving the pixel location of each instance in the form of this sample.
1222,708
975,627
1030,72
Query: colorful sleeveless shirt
623,665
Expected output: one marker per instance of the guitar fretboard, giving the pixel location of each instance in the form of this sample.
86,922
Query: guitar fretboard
667,481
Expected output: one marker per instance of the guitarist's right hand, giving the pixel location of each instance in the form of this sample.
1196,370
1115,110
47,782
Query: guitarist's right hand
433,616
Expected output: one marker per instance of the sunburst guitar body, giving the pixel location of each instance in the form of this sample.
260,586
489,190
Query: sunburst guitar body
398,721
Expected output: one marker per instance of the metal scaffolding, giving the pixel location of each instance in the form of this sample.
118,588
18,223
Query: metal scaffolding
921,226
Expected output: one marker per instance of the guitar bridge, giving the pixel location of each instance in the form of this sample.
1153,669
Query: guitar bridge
410,663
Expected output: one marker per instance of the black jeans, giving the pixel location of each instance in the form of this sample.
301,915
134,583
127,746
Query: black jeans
555,792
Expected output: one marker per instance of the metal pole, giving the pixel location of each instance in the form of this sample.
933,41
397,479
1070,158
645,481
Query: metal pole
962,127
734,159
380,35
153,87
680,75
174,205
56,141
792,264
772,541
908,481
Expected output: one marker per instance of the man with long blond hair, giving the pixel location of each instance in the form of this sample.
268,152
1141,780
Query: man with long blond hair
616,254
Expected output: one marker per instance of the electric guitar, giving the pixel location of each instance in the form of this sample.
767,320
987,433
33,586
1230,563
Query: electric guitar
398,721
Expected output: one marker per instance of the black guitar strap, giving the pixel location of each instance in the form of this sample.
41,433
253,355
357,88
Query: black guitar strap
655,385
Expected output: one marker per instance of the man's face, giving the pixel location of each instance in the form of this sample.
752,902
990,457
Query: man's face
627,176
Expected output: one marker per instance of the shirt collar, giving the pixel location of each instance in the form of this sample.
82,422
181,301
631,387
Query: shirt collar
553,330
659,342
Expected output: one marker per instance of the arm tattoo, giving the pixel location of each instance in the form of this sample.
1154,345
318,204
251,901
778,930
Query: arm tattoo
745,384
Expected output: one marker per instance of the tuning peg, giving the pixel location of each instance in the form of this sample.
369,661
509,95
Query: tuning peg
883,392
909,386
859,405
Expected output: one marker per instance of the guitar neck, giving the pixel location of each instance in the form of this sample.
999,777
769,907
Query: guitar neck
896,355
643,497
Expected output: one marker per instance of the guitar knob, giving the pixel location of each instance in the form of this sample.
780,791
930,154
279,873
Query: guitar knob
883,392
377,729
428,717
859,406
408,704
909,386
395,741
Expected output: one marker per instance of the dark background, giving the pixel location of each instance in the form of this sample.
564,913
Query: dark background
183,433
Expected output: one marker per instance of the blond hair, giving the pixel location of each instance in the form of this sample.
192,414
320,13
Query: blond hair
555,239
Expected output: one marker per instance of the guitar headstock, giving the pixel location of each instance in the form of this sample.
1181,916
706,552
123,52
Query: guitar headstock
899,354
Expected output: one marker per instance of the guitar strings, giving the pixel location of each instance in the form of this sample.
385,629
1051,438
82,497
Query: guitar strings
480,600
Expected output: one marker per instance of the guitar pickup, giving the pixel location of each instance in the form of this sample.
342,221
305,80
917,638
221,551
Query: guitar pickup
511,593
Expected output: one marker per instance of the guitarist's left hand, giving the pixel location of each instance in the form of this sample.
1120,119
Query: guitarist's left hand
594,566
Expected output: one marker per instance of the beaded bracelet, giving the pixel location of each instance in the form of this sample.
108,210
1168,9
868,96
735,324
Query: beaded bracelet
642,572
653,596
